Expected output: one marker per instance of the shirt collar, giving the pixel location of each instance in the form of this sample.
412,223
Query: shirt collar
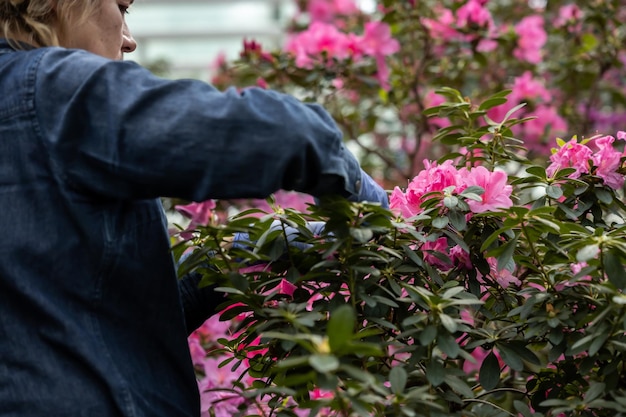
6,47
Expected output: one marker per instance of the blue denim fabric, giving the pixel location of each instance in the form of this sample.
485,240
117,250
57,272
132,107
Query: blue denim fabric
370,191
91,318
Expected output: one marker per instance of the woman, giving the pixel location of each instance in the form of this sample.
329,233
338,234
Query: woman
91,317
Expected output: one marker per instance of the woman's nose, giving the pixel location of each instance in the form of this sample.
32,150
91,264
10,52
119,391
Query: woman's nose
128,42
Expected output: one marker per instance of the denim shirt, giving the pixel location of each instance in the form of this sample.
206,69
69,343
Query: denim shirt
91,317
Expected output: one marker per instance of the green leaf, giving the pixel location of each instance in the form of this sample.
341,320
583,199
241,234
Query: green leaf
554,191
604,196
435,372
293,362
472,196
433,111
614,268
450,201
537,171
473,189
523,409
459,386
453,289
489,375
587,252
427,336
362,234
414,257
448,322
510,112
492,102
324,363
458,220
596,390
506,256
240,282
582,344
340,327
519,347
555,403
549,223
597,343
494,236
440,222
566,172
397,379
448,345
512,359
363,349
514,353
588,43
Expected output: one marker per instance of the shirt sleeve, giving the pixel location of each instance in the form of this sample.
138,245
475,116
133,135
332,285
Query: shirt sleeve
114,129
199,303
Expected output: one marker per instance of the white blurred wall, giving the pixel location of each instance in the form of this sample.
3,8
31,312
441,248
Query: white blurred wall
190,34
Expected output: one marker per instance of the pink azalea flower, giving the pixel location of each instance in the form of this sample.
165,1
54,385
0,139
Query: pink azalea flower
548,123
433,178
569,15
399,204
607,161
254,48
327,10
576,268
338,83
441,28
473,13
439,246
503,277
260,82
432,99
527,87
487,45
382,75
286,287
571,155
212,329
531,38
319,38
198,354
377,40
199,213
460,257
478,354
497,192
216,396
261,267
321,10
206,335
286,199
217,65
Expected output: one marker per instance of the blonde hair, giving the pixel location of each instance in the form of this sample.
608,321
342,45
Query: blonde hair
41,22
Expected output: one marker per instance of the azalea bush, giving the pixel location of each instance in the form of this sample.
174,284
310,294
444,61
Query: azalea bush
494,284
378,72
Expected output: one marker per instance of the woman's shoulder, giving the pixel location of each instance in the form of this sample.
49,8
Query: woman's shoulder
77,61
68,71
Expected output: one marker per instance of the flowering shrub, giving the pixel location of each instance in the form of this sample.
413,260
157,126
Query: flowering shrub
494,285
377,72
